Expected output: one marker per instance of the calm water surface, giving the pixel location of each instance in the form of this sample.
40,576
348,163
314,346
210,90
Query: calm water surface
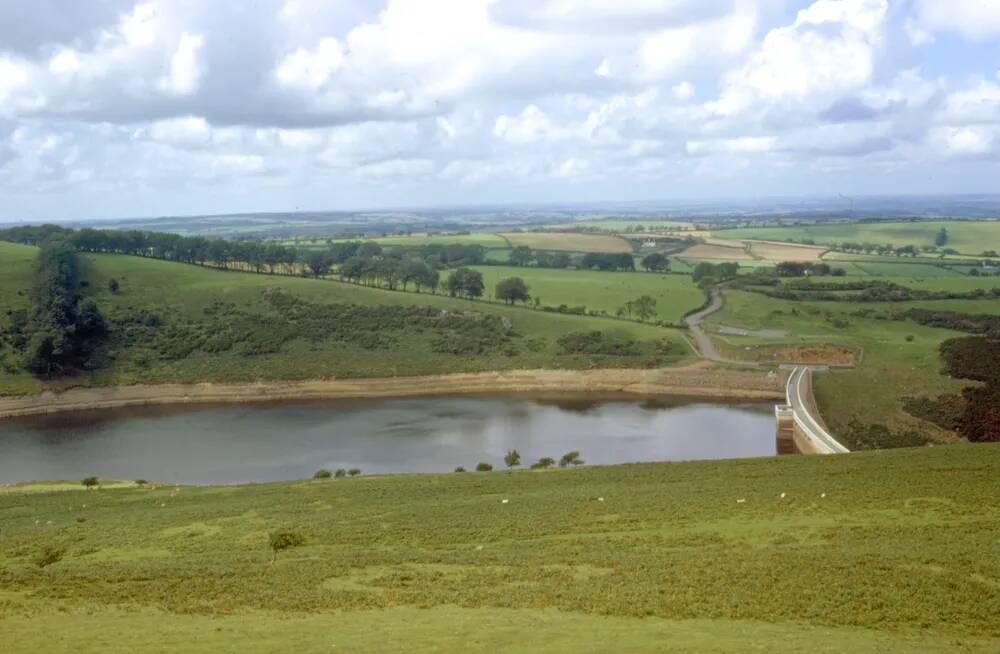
267,442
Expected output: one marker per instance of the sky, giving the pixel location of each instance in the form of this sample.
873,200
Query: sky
116,108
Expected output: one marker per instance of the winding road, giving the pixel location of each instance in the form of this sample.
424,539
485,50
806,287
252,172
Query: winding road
798,391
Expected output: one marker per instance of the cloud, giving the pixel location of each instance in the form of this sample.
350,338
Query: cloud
977,20
184,73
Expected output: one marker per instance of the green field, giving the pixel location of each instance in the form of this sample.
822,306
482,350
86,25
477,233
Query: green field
892,367
603,291
872,552
184,294
968,237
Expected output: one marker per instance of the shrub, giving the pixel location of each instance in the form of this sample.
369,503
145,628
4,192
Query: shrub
340,473
354,472
90,482
49,555
283,540
113,285
141,482
322,473
512,458
909,338
459,469
482,466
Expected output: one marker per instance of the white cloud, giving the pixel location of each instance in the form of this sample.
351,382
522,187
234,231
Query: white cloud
965,141
827,51
682,91
311,69
185,131
973,19
184,73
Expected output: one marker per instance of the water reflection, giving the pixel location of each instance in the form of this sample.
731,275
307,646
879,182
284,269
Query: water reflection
264,442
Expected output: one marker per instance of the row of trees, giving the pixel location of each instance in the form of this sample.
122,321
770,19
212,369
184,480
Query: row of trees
60,331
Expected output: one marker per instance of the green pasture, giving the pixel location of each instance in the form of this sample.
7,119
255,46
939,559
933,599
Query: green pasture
603,291
966,236
180,292
890,551
892,367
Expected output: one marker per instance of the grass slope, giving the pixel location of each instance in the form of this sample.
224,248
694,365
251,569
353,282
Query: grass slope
899,555
603,291
179,292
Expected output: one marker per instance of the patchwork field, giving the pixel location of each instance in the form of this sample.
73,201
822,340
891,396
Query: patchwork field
675,295
570,242
872,552
968,237
735,252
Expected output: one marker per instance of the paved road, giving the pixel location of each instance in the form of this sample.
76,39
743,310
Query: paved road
798,390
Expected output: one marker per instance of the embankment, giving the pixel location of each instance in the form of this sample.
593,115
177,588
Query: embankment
696,380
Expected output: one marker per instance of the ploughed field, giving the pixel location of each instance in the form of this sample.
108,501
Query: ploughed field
871,552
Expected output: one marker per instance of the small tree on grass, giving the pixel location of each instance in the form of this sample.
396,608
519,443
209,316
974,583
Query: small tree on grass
90,482
482,466
544,462
570,459
340,473
283,540
511,290
512,458
459,469
354,472
322,473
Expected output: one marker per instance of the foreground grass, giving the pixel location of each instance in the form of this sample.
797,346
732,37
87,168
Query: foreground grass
899,555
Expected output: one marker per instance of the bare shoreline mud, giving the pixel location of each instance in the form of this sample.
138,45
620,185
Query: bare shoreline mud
696,380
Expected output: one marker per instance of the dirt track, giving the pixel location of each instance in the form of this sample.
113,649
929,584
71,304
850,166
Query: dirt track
696,380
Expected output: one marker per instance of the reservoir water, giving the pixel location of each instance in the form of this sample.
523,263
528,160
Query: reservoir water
226,444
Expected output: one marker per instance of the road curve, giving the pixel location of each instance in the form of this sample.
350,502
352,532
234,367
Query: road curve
701,339
799,388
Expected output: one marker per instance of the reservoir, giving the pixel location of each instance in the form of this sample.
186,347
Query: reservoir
229,444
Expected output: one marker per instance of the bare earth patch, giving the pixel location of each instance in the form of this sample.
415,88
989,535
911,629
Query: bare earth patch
829,355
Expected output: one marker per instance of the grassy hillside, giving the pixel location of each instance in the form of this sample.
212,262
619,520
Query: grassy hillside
201,314
603,291
900,358
872,552
968,237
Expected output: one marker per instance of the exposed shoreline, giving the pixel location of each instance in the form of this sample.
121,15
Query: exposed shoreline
696,380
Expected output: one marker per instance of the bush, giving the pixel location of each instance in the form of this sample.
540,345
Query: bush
340,473
322,473
90,482
909,338
482,466
459,469
354,472
512,458
49,555
283,540
141,482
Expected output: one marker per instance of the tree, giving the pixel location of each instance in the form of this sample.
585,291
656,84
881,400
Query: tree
941,237
465,282
459,469
354,472
644,307
512,458
322,473
339,473
521,256
511,290
90,482
656,262
318,262
542,463
283,540
570,458
483,467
